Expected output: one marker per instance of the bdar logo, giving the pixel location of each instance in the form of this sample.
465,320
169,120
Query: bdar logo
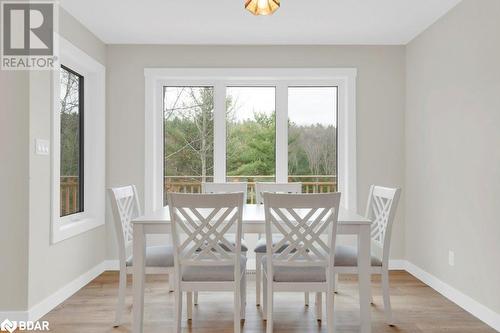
9,326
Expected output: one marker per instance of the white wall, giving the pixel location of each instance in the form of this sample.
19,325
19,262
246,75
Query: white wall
14,189
453,150
380,105
52,266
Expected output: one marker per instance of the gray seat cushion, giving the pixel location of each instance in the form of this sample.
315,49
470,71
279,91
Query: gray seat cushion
347,256
297,274
212,273
261,247
157,256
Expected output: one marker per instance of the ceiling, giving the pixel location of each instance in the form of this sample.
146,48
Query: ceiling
306,22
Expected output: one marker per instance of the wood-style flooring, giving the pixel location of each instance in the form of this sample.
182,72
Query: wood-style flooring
416,307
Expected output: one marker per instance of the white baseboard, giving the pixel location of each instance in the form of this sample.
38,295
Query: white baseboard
111,265
49,303
470,305
397,265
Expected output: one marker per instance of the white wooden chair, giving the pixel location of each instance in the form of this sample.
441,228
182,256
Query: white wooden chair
232,187
301,260
260,247
381,209
204,259
159,259
226,188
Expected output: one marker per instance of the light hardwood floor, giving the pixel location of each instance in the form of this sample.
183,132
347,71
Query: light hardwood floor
417,308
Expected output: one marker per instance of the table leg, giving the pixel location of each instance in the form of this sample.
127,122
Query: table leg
138,278
364,278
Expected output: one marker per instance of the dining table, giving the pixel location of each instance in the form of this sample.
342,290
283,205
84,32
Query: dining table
158,222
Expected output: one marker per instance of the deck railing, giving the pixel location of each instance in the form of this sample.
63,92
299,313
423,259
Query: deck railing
69,194
192,184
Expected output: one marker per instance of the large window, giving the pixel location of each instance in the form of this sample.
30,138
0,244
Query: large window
251,136
188,138
312,138
250,125
71,142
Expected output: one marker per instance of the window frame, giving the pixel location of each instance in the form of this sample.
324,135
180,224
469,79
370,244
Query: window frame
220,78
93,163
81,139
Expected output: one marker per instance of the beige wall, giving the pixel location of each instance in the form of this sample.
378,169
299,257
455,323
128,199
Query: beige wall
453,150
52,266
380,105
14,189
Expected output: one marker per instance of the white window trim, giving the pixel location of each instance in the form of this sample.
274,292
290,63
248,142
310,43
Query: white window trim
219,78
94,145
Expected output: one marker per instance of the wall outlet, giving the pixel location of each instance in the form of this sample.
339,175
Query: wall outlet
451,258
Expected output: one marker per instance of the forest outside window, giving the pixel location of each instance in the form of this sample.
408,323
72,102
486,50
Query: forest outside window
71,142
250,152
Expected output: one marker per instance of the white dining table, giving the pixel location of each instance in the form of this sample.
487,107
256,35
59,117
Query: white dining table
158,222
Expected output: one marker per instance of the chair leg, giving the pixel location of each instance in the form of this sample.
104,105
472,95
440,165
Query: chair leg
269,306
171,283
237,307
243,293
264,297
330,301
122,289
319,306
387,297
189,305
336,284
258,277
195,297
178,309
306,299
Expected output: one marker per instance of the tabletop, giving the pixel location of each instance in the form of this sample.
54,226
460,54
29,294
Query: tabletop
251,214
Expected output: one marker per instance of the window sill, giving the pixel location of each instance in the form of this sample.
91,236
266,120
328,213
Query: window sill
67,228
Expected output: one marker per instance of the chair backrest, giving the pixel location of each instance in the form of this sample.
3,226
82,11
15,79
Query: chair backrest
381,209
199,224
301,219
260,187
225,188
125,206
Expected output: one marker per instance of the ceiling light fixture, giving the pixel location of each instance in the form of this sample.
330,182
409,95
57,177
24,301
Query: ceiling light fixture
262,7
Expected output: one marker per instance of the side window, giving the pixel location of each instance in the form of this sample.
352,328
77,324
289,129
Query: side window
72,141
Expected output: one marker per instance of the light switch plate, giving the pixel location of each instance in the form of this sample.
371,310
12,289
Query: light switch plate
42,147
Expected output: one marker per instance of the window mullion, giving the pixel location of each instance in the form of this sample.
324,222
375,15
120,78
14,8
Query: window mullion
282,132
219,132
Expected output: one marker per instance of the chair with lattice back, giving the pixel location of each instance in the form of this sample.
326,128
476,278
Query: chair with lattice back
260,247
302,260
204,258
381,210
159,259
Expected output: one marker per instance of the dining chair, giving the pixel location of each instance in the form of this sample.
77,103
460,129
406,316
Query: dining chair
226,188
159,259
301,260
260,246
231,187
381,210
204,259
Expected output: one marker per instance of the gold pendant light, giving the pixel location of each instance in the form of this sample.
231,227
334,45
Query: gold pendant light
262,7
